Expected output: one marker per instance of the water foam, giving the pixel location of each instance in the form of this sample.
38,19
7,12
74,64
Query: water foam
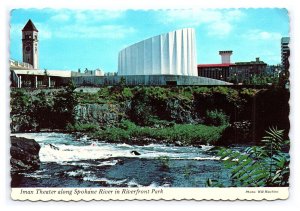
61,148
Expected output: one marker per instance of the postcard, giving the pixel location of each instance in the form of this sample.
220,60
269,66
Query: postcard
178,104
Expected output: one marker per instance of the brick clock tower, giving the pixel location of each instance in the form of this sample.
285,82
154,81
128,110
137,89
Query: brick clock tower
30,44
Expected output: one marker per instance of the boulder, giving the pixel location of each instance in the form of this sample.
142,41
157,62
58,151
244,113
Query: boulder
24,154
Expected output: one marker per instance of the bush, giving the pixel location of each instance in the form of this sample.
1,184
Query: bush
185,133
78,127
216,118
260,166
127,125
112,134
127,93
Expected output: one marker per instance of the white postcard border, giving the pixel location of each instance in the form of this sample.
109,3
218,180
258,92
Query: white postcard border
105,194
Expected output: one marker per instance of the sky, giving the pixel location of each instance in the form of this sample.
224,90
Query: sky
72,39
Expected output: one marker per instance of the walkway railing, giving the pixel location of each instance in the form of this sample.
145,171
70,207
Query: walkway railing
22,65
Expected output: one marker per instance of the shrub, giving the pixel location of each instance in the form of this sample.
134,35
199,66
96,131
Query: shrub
185,133
112,134
216,118
78,127
127,93
127,125
260,166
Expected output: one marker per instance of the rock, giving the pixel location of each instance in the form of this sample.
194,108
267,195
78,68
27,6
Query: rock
100,114
178,143
24,154
181,111
135,153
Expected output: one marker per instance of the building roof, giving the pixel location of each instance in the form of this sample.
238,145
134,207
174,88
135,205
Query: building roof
285,40
29,26
250,63
215,65
57,73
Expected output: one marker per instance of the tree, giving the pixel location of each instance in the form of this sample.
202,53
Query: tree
259,166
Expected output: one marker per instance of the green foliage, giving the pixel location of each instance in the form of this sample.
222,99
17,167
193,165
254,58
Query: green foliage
63,108
273,141
216,118
104,92
245,171
185,133
145,105
160,107
127,93
35,111
156,93
78,127
262,80
22,112
202,90
186,93
20,101
230,94
112,134
248,92
259,166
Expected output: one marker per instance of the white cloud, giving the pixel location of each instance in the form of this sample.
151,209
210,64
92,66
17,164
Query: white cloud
44,31
15,29
220,28
98,32
60,17
84,16
234,15
85,24
218,22
256,34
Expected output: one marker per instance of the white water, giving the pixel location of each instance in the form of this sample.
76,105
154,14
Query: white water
66,149
69,161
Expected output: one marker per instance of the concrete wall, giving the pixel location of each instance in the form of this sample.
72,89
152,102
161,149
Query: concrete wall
146,80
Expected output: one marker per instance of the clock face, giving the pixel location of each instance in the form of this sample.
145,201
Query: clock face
27,48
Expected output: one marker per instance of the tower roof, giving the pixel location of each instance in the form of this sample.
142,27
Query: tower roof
29,26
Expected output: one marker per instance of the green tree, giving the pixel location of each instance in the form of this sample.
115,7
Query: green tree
63,107
259,166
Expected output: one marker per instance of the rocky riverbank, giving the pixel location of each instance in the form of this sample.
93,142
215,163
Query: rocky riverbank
24,154
154,112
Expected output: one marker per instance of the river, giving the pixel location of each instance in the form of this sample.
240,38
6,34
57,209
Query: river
80,162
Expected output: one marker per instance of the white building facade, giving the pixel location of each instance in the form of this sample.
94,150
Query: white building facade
173,53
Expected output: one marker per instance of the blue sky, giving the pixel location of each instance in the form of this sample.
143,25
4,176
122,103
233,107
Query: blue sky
72,39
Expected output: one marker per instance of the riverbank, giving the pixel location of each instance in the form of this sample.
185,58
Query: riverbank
141,115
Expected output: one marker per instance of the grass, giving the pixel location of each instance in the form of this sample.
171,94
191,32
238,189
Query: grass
187,134
82,127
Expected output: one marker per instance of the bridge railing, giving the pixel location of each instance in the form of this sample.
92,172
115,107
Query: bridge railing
20,64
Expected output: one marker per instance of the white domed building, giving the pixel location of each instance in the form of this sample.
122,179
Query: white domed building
173,53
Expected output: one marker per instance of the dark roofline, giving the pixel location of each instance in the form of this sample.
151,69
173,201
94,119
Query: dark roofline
215,65
29,26
252,62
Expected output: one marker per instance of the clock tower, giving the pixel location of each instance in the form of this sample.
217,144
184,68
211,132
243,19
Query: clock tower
30,44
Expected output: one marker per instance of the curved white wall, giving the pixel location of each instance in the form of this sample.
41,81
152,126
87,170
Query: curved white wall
173,53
